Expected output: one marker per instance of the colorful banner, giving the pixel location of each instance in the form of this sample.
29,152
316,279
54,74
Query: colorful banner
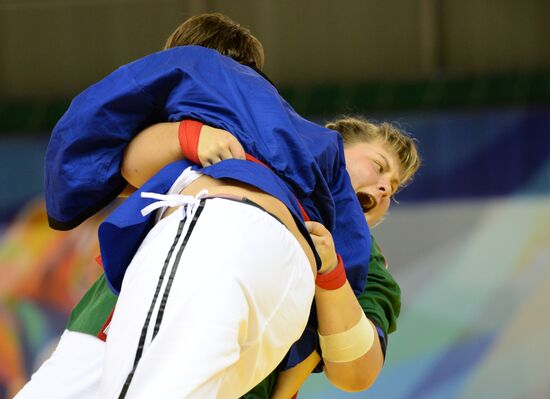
44,273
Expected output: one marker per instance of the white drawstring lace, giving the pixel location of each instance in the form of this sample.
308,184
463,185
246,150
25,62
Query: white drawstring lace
188,202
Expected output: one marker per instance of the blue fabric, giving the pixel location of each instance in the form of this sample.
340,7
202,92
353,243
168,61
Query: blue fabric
306,161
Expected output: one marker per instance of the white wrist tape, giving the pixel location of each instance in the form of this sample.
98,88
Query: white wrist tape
348,345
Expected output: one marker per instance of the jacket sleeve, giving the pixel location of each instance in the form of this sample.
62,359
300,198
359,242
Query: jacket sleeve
83,158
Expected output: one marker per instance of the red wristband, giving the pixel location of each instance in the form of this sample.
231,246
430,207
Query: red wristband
189,132
333,279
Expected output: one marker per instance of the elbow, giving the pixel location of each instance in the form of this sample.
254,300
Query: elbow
353,379
130,179
361,383
130,172
353,383
358,387
358,375
127,174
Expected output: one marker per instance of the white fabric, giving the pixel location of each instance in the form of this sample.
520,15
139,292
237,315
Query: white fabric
172,200
73,370
241,296
187,177
75,367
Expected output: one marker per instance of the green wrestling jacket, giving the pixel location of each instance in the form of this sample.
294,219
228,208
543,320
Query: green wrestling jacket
381,302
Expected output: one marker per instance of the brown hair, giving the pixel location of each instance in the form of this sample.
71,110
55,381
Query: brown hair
357,129
221,33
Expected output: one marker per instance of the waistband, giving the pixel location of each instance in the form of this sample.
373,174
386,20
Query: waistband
245,201
174,200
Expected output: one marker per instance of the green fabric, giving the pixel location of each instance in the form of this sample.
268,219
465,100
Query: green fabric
89,315
381,302
381,299
263,389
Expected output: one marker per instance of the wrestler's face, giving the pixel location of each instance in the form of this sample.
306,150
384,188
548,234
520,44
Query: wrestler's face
374,170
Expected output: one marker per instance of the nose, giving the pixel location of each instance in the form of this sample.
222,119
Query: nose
384,187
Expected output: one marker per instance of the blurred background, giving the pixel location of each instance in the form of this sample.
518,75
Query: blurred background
469,241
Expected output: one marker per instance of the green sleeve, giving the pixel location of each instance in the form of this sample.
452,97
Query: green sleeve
381,300
89,315
263,389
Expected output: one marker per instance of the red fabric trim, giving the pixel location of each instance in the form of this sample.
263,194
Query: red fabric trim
251,158
302,210
333,279
101,334
189,132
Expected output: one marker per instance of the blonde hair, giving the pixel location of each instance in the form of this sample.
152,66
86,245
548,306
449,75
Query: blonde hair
221,33
357,130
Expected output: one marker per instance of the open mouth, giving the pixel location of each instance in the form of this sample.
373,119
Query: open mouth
366,201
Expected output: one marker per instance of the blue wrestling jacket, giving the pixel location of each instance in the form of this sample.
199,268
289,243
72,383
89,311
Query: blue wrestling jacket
306,161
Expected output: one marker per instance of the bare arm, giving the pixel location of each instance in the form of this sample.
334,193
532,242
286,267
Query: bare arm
148,152
290,381
158,145
337,311
340,375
